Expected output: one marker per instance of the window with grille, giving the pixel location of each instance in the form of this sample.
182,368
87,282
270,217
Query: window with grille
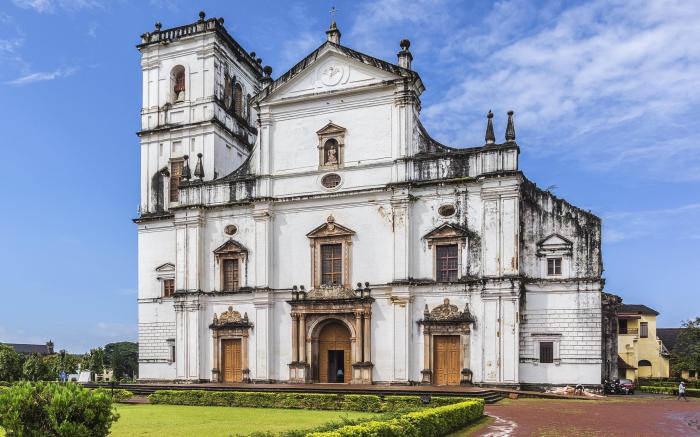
553,266
644,329
175,178
546,352
331,264
230,274
168,287
447,263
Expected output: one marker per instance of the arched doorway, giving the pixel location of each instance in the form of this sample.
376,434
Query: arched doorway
644,367
334,354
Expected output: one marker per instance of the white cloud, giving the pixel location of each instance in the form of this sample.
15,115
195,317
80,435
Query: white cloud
603,82
42,76
681,222
46,6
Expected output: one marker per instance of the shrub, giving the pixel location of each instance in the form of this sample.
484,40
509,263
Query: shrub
50,409
119,395
314,401
430,422
671,391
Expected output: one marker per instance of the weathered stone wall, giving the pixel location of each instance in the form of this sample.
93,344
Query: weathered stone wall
543,214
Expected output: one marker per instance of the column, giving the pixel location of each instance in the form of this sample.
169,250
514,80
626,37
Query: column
215,365
358,337
295,338
263,343
245,365
302,338
367,340
427,370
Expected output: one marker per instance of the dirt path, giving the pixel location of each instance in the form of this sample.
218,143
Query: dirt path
616,416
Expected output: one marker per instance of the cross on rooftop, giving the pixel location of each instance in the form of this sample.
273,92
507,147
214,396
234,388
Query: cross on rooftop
332,12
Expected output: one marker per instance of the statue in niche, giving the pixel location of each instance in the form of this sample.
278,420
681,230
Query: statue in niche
331,155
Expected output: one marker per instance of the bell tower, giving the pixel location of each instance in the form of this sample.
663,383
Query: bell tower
197,123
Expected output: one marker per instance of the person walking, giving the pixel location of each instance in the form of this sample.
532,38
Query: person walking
681,391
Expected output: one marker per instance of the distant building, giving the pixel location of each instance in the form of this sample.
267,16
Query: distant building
30,349
641,352
668,337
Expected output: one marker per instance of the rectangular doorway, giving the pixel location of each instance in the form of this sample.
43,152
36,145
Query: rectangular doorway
336,366
231,360
447,369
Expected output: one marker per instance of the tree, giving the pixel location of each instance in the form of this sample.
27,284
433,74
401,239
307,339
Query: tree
62,362
94,361
686,351
122,358
10,364
35,369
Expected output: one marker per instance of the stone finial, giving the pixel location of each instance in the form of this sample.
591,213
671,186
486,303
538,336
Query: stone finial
199,168
490,136
158,26
426,311
330,219
186,173
333,33
405,56
202,14
510,128
267,79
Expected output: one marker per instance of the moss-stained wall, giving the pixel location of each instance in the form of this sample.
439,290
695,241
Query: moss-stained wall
543,214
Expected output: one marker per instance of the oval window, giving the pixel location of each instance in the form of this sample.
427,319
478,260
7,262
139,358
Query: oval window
330,180
230,229
446,210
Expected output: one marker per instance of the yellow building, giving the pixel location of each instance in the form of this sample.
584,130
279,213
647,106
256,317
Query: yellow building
638,346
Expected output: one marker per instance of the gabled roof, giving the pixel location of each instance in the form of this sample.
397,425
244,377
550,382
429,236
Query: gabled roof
28,349
312,57
636,308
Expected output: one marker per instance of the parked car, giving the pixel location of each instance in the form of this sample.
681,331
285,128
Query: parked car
619,387
626,386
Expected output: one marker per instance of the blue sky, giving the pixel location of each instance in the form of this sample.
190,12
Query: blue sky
606,96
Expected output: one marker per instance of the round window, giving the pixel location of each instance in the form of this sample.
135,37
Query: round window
446,210
230,229
330,180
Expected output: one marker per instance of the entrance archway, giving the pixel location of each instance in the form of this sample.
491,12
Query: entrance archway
334,348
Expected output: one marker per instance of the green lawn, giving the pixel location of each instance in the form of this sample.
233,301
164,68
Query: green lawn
177,420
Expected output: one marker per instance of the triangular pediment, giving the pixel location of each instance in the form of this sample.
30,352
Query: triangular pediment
330,129
331,68
231,246
447,230
167,267
330,229
555,240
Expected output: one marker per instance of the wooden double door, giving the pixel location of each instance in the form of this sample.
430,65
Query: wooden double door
231,360
446,362
334,360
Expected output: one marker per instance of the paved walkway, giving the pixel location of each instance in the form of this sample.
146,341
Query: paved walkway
642,415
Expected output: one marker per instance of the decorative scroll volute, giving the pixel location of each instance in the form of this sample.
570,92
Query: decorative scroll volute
447,312
230,317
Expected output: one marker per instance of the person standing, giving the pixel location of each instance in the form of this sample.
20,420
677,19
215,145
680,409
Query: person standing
681,391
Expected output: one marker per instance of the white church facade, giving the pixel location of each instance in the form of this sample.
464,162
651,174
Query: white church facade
308,229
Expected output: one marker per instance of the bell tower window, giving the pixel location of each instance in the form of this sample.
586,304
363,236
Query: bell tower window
177,79
175,178
238,100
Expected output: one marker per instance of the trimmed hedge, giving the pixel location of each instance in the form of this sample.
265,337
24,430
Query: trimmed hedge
431,422
313,401
666,383
671,391
119,395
